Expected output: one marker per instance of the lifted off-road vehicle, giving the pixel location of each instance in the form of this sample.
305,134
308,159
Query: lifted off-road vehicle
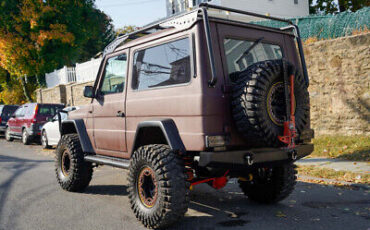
196,98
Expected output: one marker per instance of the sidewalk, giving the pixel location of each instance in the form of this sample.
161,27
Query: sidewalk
338,165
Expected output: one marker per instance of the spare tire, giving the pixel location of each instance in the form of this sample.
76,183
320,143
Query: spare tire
258,101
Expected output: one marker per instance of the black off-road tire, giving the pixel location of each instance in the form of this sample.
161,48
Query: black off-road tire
7,135
279,185
25,137
79,173
172,198
250,101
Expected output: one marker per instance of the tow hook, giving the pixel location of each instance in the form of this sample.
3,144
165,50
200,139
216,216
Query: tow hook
293,154
249,159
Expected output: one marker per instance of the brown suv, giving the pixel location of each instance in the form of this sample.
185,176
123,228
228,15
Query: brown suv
193,99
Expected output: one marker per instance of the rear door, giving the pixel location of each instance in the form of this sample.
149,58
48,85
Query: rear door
108,108
241,47
15,124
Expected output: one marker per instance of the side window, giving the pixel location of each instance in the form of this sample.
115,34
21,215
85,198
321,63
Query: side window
29,110
242,53
114,75
19,112
163,65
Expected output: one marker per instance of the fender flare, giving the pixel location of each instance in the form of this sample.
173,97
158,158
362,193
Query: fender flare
77,126
168,129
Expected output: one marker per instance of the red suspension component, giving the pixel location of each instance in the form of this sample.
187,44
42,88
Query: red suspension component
290,131
217,182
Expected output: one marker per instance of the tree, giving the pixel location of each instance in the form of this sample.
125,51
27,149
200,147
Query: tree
38,36
331,6
125,30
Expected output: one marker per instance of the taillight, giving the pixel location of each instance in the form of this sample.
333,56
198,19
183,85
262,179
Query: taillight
34,114
0,120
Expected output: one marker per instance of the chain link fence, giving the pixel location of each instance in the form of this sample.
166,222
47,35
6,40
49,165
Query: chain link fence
328,26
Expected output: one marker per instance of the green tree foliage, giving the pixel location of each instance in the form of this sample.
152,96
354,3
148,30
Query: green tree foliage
331,6
125,30
38,36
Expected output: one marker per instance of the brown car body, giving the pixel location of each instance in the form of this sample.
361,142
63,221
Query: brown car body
163,106
197,109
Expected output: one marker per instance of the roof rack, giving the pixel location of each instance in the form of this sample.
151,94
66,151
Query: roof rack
188,19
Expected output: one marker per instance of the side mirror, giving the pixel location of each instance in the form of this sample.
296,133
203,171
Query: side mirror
12,116
89,92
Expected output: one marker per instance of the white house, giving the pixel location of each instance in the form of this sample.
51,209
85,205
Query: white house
276,8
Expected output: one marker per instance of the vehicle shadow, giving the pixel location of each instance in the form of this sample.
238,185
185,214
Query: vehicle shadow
112,190
15,167
230,209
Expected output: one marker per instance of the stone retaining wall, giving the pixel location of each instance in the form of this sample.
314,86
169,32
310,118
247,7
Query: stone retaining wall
71,94
339,72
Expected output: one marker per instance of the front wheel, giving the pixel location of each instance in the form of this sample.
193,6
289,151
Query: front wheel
8,137
158,191
270,185
73,172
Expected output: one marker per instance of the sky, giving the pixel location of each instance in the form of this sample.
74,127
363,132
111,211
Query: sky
132,12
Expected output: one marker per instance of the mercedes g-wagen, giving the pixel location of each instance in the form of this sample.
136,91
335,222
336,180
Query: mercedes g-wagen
200,97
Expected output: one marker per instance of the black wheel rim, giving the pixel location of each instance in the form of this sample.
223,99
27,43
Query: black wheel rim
66,163
147,187
276,106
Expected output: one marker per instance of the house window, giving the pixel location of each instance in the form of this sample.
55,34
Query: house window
163,65
296,2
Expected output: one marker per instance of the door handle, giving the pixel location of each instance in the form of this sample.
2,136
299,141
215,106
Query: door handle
120,114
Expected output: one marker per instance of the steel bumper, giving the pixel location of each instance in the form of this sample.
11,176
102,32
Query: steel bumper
254,157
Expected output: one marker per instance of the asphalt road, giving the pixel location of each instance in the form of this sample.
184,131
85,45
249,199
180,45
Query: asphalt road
30,198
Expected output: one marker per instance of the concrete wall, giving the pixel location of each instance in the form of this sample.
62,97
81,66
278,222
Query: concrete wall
339,71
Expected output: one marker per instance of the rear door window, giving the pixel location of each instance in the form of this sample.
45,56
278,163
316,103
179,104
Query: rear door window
163,65
49,110
240,54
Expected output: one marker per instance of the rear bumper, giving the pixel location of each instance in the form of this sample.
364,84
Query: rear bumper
2,128
253,157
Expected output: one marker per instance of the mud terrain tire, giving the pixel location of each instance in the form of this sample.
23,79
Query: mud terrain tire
273,188
258,102
72,171
166,200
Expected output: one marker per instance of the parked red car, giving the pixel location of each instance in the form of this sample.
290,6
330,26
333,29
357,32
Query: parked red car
28,119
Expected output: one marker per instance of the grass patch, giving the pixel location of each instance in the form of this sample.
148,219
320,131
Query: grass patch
356,148
326,173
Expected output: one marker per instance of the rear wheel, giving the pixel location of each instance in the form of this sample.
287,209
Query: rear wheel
8,137
158,191
73,172
44,140
25,137
270,185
